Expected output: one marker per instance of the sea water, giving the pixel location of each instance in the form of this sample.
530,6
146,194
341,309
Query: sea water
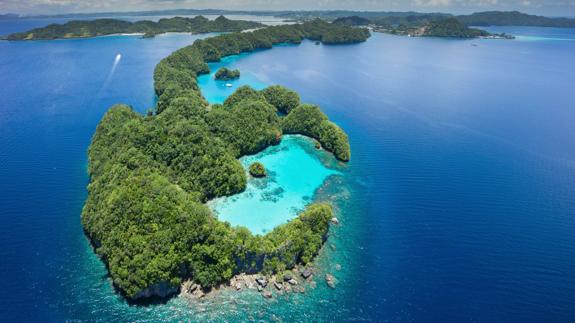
458,203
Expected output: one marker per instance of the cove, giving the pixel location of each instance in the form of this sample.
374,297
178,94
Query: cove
216,91
295,171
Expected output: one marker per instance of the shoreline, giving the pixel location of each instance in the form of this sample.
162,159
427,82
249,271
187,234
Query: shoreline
298,280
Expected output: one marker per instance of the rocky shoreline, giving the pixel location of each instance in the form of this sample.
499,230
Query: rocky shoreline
293,281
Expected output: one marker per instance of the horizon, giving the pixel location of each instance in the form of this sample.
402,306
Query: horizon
557,8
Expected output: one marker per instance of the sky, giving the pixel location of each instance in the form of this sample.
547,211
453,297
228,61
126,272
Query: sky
542,7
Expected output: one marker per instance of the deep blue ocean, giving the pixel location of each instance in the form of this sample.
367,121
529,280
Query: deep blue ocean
458,204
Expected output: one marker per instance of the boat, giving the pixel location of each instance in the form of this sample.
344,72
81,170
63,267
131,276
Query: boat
229,84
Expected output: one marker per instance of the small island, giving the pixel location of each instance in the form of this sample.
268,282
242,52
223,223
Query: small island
225,74
258,170
149,29
151,176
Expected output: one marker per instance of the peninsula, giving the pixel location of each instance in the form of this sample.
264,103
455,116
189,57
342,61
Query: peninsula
102,27
150,176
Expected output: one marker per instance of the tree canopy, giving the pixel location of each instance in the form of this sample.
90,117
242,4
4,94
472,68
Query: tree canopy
100,27
225,74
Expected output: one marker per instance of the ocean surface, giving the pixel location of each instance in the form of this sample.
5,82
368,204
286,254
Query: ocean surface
458,203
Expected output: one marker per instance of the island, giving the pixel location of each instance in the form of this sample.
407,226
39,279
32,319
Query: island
257,169
149,29
444,27
382,18
225,74
151,175
514,18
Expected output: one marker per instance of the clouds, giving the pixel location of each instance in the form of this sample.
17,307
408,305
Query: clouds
550,7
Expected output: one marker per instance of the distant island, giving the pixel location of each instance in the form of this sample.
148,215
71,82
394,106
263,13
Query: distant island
225,74
514,18
102,27
150,176
444,27
488,18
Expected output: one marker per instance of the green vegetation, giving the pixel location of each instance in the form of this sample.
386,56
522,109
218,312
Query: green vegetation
451,27
488,18
225,74
308,120
151,175
352,21
513,18
257,169
283,99
443,27
100,27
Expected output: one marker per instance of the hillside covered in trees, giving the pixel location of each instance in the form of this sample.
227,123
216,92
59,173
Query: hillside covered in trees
486,18
101,27
150,176
514,18
445,27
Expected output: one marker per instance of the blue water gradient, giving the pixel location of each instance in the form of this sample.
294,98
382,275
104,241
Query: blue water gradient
458,203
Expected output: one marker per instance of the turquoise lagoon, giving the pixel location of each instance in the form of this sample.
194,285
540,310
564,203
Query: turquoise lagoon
296,169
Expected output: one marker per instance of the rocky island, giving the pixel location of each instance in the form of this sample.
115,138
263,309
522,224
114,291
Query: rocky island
150,176
149,29
257,169
225,74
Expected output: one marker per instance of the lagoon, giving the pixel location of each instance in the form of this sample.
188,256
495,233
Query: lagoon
295,172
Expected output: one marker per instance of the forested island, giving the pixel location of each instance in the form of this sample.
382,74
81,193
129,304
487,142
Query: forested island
444,27
382,18
257,169
102,27
435,24
514,18
225,74
150,176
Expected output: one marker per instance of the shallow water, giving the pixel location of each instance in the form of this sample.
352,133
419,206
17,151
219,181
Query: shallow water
216,91
458,203
295,172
